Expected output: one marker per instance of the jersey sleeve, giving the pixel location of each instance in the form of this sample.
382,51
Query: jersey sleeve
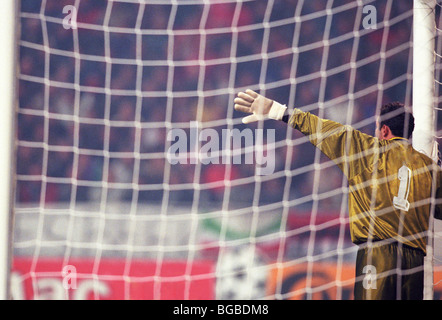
350,149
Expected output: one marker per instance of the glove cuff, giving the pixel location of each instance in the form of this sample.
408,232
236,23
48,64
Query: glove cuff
277,111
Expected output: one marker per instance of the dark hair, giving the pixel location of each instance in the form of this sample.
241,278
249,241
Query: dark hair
398,119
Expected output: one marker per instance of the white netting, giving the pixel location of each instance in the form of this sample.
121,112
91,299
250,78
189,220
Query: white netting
100,94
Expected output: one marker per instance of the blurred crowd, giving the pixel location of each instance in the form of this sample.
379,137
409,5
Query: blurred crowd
96,103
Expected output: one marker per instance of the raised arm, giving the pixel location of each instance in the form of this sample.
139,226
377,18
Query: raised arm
350,149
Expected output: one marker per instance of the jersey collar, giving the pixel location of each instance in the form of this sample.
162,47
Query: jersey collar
397,138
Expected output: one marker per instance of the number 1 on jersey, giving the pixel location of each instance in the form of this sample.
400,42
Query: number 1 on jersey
400,201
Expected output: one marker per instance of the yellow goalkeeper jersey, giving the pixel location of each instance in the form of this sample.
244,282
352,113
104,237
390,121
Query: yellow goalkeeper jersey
390,183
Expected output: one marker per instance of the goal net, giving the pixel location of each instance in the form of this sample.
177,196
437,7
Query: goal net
135,177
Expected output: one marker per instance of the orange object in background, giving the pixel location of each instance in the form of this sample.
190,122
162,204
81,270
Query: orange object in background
322,281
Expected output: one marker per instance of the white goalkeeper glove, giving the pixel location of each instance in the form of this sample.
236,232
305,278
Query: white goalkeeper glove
261,107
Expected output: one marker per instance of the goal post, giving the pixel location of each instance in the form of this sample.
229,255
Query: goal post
424,32
423,75
8,62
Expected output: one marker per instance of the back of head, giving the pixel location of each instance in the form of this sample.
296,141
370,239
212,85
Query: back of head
397,118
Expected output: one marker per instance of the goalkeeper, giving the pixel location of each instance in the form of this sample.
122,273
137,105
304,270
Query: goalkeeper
390,184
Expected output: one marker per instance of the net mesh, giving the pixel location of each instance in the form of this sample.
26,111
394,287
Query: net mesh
108,88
